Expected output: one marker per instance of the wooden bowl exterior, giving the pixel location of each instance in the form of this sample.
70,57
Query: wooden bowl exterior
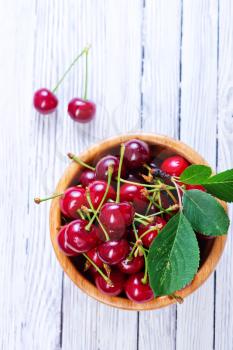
55,221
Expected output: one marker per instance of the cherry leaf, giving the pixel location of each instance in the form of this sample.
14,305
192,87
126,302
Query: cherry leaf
195,174
173,257
221,185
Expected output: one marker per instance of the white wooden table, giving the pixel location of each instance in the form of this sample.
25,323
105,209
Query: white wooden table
164,66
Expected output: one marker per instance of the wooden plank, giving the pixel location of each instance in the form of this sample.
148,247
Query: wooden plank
115,69
160,114
224,279
198,129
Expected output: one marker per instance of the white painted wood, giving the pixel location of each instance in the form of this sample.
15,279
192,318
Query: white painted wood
195,318
224,279
115,73
160,114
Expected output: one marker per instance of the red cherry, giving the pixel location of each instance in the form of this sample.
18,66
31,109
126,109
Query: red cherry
45,102
93,255
97,189
134,194
136,290
150,236
195,187
116,217
174,165
112,252
87,177
62,243
117,278
72,200
82,111
131,266
79,239
103,164
136,153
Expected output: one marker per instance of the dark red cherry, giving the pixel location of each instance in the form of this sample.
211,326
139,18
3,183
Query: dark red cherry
150,236
45,102
93,255
62,243
134,194
103,164
112,252
134,177
136,290
79,239
116,217
87,177
136,153
97,189
174,165
195,187
117,278
72,200
131,266
82,111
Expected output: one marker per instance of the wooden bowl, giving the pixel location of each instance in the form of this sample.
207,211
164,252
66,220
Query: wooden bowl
164,144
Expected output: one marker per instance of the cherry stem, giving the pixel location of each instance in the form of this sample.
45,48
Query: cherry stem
148,231
81,214
150,204
178,194
86,73
79,161
98,269
144,279
171,195
38,200
86,49
155,187
136,244
141,221
130,256
135,231
110,172
122,152
179,299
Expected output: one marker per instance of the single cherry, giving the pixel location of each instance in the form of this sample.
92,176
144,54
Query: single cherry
136,195
87,177
93,255
137,153
116,217
45,102
112,252
195,187
174,165
103,164
79,238
62,243
97,190
136,290
80,110
72,200
150,236
134,265
115,288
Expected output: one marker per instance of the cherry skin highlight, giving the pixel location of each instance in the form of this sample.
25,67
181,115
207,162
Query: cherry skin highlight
116,217
136,290
72,200
150,236
97,189
112,252
136,153
62,243
134,265
78,238
117,278
82,111
103,165
45,102
174,165
87,177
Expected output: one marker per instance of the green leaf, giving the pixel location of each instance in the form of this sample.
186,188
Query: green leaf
205,213
221,185
195,174
173,258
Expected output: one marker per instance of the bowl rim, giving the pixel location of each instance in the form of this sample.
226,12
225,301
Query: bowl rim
86,286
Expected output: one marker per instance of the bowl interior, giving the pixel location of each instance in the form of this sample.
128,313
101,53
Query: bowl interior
161,148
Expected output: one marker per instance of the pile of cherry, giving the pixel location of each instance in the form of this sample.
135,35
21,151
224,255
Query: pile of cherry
115,212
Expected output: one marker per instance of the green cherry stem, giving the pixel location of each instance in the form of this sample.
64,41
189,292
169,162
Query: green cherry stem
144,279
139,184
178,194
86,73
135,231
110,172
98,269
79,161
86,49
38,200
122,152
150,204
141,221
81,214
